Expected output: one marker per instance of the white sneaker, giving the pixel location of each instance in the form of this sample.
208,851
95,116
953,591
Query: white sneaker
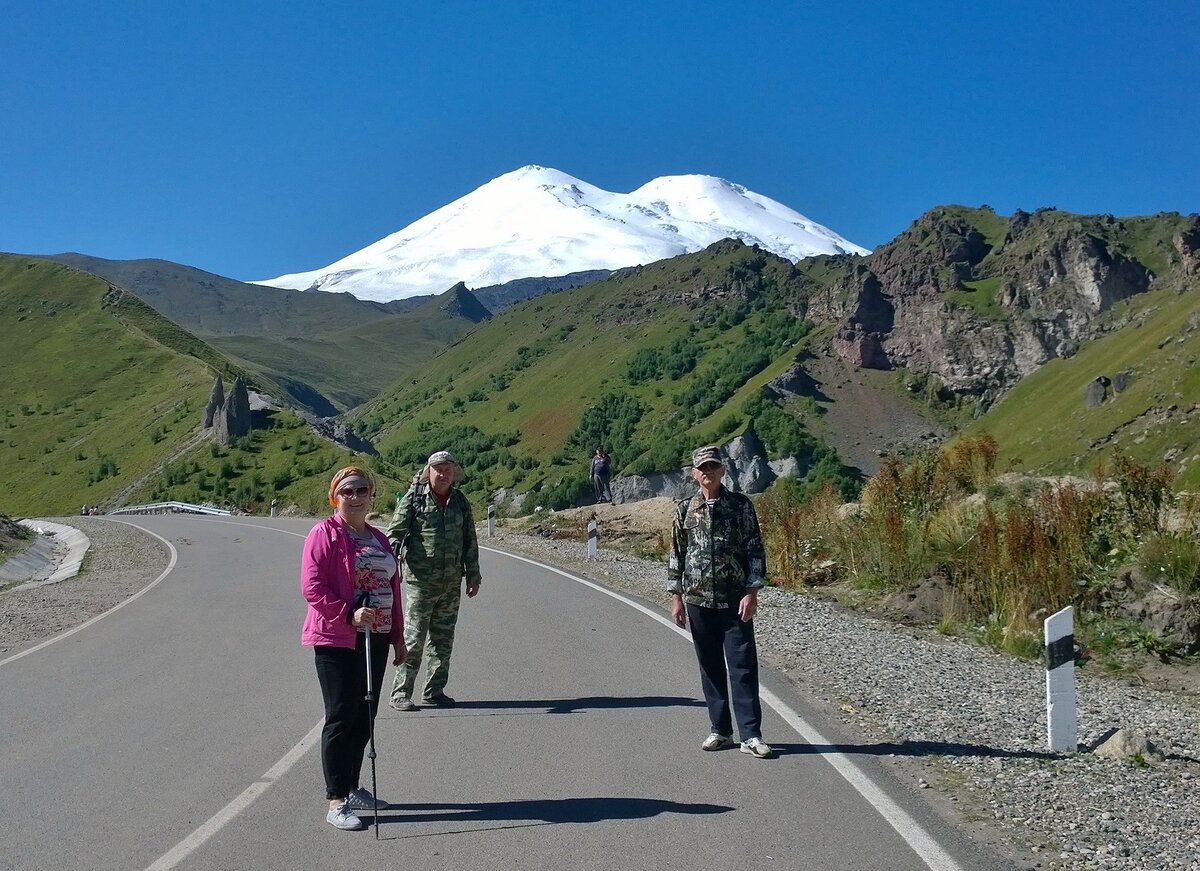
717,741
758,747
341,817
361,800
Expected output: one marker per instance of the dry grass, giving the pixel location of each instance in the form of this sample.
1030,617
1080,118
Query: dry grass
1008,555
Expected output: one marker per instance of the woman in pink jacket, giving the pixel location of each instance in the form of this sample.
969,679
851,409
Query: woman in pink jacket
351,581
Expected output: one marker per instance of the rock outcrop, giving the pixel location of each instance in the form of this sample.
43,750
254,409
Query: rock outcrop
980,312
747,470
228,416
216,400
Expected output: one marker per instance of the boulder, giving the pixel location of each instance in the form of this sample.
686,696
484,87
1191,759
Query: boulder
1125,745
1096,391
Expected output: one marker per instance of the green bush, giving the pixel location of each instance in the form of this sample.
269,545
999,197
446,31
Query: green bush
1174,556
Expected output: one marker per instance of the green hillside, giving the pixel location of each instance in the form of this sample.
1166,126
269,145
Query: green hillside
647,363
280,459
100,391
301,342
97,387
1042,425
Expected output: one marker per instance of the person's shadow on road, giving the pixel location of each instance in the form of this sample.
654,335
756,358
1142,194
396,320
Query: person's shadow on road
564,706
537,812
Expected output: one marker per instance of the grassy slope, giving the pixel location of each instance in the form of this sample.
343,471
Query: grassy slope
96,398
85,385
298,341
578,344
1043,426
280,459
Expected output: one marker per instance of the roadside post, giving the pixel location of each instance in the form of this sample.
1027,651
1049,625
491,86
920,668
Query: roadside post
491,520
592,540
1062,729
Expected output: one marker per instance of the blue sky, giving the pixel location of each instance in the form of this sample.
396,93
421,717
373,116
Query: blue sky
253,139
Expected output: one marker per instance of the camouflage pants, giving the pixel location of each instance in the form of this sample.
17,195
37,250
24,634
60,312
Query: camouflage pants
430,612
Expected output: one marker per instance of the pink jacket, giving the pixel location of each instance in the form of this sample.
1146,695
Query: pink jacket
327,582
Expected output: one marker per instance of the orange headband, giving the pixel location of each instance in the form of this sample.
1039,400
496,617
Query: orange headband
348,472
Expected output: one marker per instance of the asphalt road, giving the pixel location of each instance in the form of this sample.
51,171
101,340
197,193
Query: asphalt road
178,732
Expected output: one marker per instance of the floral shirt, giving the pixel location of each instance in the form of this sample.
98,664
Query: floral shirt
373,569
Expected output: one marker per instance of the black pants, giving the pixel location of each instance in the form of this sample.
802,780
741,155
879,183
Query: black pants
721,638
343,676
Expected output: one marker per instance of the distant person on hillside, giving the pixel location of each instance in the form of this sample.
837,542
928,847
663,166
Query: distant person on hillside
433,531
351,581
715,569
601,465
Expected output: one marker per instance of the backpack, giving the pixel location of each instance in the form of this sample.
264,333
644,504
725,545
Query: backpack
416,505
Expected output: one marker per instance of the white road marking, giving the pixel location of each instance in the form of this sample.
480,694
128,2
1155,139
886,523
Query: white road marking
922,843
246,797
225,815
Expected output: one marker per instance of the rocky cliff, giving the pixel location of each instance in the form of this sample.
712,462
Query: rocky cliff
977,301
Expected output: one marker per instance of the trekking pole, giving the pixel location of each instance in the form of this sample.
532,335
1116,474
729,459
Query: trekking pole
371,720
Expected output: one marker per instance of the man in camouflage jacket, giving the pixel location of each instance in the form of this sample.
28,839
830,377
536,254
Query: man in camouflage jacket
714,572
434,529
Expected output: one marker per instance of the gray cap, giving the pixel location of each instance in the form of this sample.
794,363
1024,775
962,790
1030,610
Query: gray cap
707,454
438,457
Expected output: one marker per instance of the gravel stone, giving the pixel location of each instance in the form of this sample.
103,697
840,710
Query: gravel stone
121,561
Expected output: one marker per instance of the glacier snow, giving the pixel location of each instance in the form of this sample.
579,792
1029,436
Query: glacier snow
537,221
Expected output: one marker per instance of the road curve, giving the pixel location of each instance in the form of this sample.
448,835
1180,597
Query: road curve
177,733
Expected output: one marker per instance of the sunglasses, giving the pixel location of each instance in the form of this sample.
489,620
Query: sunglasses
711,464
349,492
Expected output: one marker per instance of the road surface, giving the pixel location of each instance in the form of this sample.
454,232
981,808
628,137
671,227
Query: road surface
181,732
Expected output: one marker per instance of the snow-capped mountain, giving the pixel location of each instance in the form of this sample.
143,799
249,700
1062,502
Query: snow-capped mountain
537,221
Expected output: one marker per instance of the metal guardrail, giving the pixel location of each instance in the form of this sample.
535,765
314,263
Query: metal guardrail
170,508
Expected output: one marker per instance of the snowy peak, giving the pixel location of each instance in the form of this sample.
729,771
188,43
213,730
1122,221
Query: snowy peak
537,221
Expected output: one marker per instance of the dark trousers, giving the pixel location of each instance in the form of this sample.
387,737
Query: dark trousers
721,639
342,673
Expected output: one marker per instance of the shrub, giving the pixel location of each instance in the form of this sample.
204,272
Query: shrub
1176,557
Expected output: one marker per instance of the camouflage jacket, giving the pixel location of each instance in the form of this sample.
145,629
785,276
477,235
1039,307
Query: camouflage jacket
439,544
716,554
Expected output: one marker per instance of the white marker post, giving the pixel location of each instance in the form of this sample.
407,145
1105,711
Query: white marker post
491,520
593,541
1062,729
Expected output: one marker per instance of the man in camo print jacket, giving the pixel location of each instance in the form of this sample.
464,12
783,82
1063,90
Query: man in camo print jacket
434,528
715,569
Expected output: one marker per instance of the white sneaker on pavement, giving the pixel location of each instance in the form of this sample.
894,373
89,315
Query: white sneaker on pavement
341,817
758,747
717,741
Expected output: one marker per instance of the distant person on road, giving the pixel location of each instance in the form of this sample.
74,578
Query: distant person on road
433,531
351,581
715,569
601,465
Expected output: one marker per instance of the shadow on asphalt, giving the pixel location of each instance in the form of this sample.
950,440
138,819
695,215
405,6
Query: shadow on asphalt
565,706
520,814
911,748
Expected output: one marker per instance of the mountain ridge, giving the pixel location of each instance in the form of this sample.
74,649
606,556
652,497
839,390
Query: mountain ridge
538,221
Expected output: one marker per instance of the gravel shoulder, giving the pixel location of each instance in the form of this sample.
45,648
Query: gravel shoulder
121,561
968,726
